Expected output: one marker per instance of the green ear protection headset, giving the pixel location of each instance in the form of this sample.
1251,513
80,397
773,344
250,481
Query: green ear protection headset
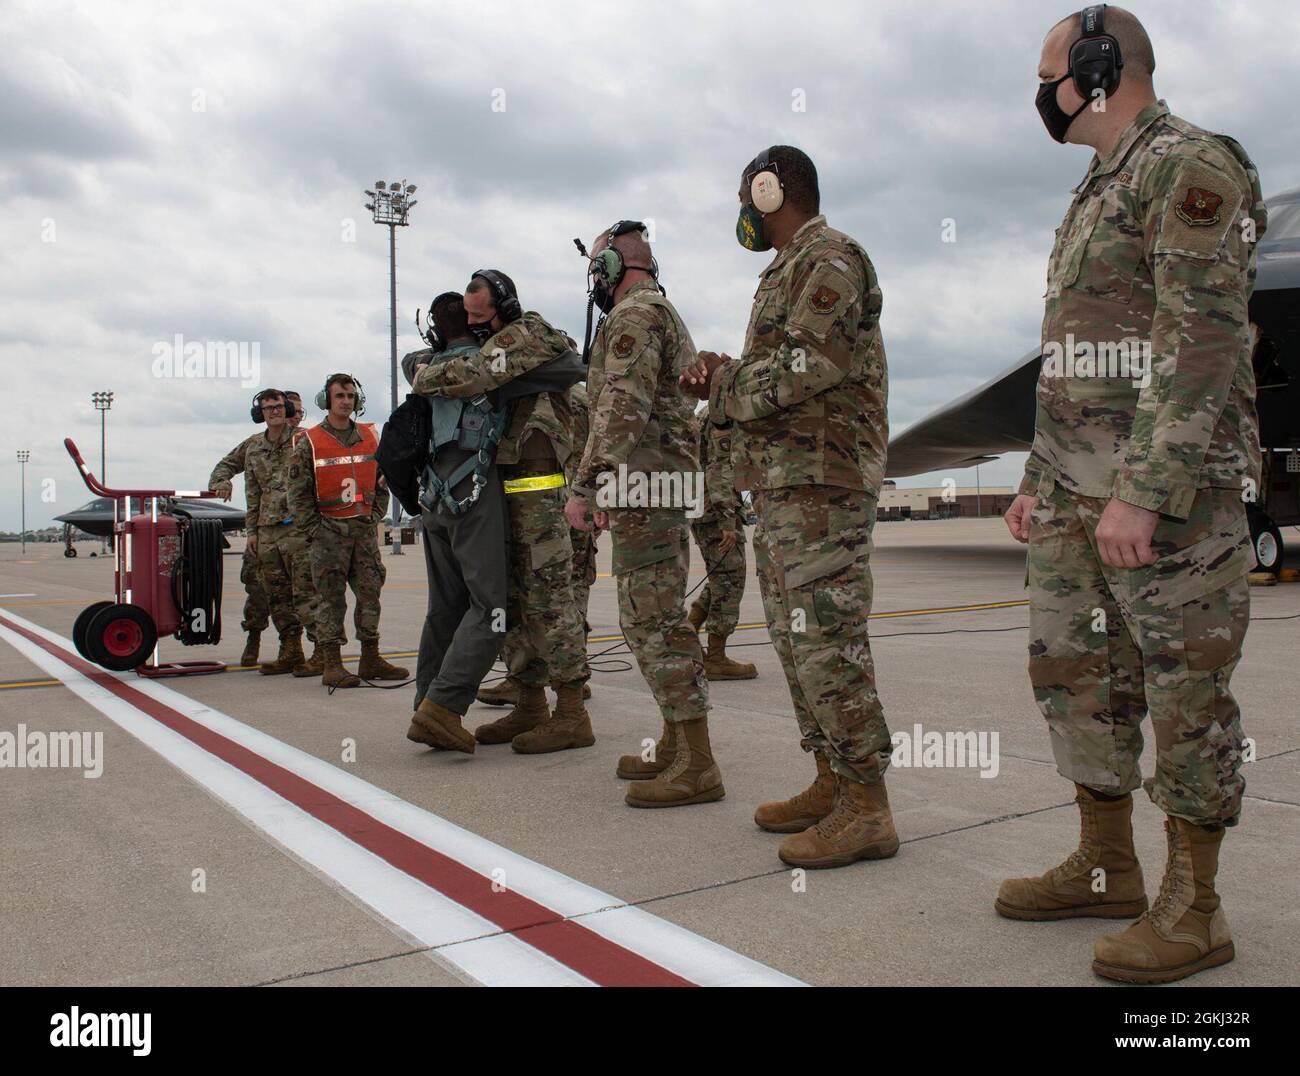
323,400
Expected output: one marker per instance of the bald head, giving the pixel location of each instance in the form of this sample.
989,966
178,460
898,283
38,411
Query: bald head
1134,44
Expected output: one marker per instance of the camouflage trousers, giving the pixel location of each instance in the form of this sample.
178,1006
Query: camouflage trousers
584,570
257,611
725,586
583,576
812,554
1108,645
345,553
546,641
284,567
652,556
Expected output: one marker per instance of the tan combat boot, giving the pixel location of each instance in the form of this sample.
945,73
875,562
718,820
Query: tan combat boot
505,693
692,777
529,712
697,615
717,666
636,768
860,826
290,655
251,647
568,727
333,673
439,727
1185,931
806,809
1100,879
313,666
374,667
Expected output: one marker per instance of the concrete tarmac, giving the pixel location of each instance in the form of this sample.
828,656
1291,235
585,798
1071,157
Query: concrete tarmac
99,884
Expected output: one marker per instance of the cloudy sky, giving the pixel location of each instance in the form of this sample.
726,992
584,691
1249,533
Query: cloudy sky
197,169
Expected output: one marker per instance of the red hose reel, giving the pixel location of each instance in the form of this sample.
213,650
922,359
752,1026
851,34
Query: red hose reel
148,564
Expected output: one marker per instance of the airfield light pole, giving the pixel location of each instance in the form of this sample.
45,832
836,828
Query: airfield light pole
390,204
102,401
23,457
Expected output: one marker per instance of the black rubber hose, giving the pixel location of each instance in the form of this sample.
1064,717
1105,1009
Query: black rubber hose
197,580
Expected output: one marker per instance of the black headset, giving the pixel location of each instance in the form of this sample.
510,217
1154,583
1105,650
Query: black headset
256,410
430,333
1095,60
503,295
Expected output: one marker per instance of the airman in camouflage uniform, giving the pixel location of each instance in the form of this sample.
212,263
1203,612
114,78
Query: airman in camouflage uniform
1126,619
720,534
281,551
806,404
644,431
548,640
257,611
506,692
344,553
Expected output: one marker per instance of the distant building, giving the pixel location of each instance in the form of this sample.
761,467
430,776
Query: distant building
940,502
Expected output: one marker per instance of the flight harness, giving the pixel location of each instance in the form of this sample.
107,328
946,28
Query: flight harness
474,426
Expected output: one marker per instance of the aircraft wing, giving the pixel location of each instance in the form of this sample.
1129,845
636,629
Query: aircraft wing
997,417
96,517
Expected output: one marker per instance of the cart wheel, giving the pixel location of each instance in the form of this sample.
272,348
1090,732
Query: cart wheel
120,637
82,623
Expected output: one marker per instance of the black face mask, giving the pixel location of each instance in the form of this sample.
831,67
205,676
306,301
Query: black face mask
602,295
482,332
1055,118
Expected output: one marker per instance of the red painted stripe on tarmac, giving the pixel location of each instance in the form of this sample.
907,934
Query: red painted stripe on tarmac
589,954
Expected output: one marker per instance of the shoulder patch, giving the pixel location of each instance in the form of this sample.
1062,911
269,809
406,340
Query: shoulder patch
824,299
506,339
1199,207
624,345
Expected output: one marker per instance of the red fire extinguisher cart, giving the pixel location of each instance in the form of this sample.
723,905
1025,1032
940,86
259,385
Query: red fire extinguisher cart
166,579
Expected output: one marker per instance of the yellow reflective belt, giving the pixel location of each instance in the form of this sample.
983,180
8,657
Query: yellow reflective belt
527,485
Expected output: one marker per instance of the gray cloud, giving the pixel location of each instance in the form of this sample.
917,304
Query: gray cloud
200,170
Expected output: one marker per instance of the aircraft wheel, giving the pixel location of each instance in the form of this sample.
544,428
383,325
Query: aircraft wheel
82,623
1266,538
69,552
120,637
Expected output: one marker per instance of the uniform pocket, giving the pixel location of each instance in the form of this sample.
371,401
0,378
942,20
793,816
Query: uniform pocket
1108,253
1214,562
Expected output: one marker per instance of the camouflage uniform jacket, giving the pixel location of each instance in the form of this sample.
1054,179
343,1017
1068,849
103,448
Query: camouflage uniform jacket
266,471
578,404
302,483
1155,247
808,394
232,463
521,346
639,417
722,501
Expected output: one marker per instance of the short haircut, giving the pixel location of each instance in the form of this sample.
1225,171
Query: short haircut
269,394
1134,45
447,312
337,379
798,176
293,394
480,283
633,245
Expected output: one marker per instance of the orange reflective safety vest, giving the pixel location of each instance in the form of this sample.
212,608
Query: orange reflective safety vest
345,474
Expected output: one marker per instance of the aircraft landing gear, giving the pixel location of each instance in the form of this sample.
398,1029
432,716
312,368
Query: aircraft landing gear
1266,538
